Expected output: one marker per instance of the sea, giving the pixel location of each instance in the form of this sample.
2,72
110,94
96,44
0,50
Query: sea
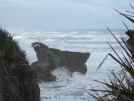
78,86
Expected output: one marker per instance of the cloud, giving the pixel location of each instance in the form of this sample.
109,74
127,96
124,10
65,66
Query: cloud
59,14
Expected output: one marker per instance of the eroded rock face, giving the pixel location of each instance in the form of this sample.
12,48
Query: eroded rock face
17,79
130,41
43,71
50,59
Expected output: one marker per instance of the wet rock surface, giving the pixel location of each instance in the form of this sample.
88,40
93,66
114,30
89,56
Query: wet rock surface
130,41
50,58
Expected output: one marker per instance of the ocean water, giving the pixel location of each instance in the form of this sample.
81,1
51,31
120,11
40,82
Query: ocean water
75,88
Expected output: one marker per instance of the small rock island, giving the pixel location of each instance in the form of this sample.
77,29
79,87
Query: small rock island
51,58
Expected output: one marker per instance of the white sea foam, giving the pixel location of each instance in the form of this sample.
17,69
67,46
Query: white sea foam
74,88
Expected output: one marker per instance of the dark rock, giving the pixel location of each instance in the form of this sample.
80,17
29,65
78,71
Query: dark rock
130,33
51,58
43,71
130,41
17,79
75,61
41,48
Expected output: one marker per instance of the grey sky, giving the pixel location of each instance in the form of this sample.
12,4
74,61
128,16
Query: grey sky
52,15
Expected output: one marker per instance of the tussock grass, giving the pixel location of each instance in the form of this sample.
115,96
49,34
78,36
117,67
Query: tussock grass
121,87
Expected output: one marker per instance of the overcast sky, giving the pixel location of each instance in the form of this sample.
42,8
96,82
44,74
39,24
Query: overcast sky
56,15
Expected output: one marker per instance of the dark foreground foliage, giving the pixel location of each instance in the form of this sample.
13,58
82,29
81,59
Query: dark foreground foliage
17,80
121,87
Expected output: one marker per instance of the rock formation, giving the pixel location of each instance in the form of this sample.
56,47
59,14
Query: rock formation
50,59
17,79
130,41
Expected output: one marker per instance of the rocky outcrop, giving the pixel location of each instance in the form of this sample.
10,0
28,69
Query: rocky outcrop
43,71
18,82
50,59
130,41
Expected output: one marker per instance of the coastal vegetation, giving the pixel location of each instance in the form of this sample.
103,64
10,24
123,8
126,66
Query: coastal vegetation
17,79
121,86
